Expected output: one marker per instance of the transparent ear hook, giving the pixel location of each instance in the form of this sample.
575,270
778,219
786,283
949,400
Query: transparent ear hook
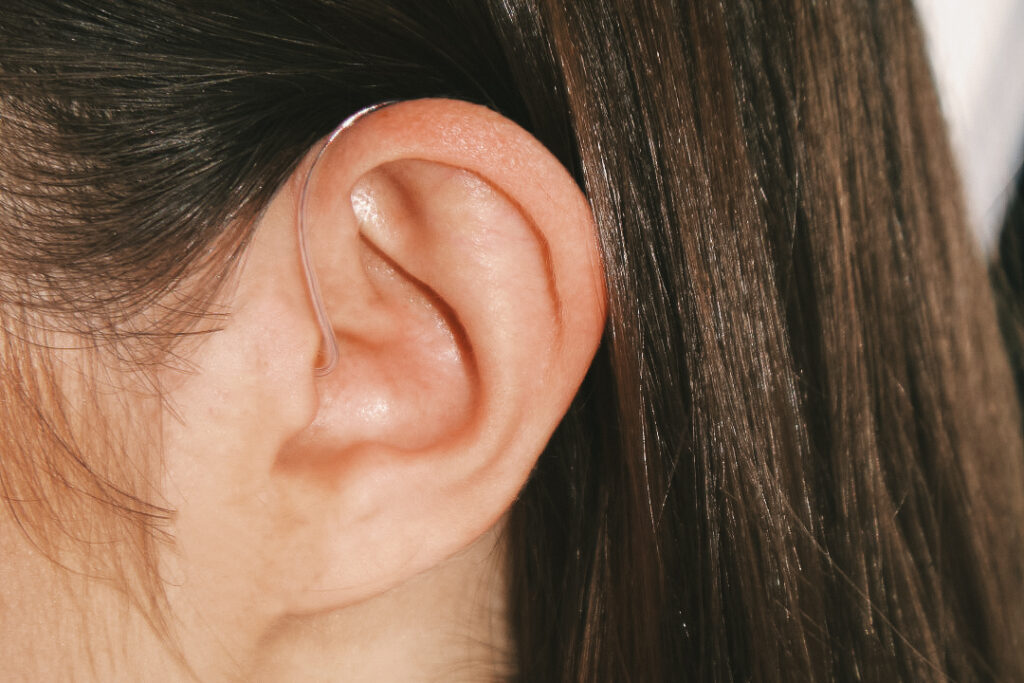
330,343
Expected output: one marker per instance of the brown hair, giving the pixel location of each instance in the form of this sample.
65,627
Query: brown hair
798,454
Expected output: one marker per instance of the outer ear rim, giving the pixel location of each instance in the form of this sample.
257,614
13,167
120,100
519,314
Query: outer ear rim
467,144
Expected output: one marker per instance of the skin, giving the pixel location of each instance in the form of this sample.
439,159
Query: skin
443,625
347,527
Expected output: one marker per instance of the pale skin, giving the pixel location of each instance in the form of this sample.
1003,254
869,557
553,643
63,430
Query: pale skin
349,527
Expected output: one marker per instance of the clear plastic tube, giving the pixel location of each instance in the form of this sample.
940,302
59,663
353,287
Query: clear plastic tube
330,343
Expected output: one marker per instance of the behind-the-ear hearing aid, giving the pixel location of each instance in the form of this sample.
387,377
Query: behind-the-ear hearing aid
330,344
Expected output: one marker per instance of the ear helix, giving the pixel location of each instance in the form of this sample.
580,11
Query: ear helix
330,344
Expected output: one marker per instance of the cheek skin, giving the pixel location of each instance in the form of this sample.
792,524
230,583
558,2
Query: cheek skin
226,419
217,450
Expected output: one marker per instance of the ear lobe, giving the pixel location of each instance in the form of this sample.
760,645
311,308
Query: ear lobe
459,269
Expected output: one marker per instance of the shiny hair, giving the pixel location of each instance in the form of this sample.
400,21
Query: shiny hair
798,452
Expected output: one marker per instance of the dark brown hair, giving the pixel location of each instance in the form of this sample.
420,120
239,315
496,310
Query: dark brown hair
798,454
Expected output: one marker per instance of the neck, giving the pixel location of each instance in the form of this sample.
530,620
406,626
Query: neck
448,622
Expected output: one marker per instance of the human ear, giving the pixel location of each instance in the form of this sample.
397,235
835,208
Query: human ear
458,266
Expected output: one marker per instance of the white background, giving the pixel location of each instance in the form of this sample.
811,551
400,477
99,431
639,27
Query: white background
977,49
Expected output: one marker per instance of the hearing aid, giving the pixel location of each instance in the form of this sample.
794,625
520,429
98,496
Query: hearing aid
330,343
